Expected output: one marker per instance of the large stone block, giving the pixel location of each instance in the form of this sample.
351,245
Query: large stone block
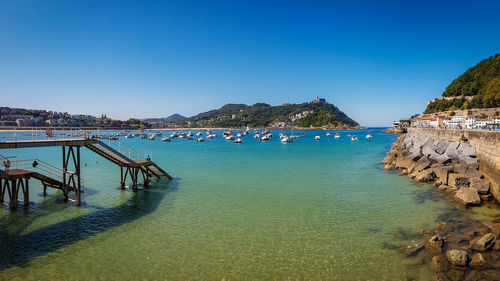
468,196
466,150
440,146
422,164
442,173
425,175
458,180
482,186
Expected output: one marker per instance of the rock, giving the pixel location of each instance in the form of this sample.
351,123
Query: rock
471,234
472,172
456,274
422,163
442,159
496,246
468,196
441,277
475,275
458,180
389,166
439,264
425,175
467,160
485,197
440,146
414,153
402,162
466,150
482,186
479,262
426,151
484,243
411,168
451,151
413,250
458,257
442,173
443,227
435,244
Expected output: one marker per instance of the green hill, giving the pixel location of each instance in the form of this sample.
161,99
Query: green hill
312,114
478,87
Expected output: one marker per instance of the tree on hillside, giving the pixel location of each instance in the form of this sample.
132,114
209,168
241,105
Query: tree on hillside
492,95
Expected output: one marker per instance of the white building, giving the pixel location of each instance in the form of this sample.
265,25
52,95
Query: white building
470,122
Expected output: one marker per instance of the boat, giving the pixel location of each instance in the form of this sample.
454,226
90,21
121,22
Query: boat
151,137
166,139
328,134
230,137
368,136
199,133
264,138
337,136
317,138
200,140
354,138
144,137
129,136
257,136
238,140
189,134
286,139
239,135
190,138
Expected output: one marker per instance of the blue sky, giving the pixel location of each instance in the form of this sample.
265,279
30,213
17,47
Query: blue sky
375,60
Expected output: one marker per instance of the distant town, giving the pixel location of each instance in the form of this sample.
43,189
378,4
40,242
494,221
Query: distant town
20,117
478,119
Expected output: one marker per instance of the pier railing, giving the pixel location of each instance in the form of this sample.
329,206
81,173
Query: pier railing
110,138
124,148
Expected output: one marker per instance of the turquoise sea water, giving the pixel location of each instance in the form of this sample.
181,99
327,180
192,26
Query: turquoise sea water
308,210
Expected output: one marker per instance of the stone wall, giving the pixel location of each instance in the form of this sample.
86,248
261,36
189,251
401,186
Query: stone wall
487,146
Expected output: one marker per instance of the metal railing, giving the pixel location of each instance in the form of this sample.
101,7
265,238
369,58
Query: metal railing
114,142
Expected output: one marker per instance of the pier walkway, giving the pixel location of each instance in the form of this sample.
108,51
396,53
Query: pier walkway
14,174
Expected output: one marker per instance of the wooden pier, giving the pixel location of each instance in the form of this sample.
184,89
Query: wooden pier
15,175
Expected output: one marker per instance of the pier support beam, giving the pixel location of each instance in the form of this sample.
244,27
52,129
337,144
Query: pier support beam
2,190
72,179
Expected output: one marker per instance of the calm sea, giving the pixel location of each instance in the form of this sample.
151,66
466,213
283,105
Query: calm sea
308,210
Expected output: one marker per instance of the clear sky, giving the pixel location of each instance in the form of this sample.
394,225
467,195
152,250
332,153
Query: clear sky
376,60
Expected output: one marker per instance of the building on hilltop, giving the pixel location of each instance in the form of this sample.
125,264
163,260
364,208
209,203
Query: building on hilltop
318,100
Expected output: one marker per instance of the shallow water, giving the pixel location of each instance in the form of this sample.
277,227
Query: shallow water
313,210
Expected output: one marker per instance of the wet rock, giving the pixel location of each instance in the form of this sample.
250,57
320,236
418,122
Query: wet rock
425,175
402,162
471,234
413,250
441,277
479,262
443,227
482,186
442,173
458,180
484,243
468,196
496,246
486,197
456,274
475,275
435,244
458,257
439,264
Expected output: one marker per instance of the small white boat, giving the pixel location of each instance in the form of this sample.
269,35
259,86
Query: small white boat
317,138
239,135
264,138
257,136
151,137
238,140
166,139
199,133
354,138
286,139
129,136
337,136
189,134
328,134
200,140
369,136
230,137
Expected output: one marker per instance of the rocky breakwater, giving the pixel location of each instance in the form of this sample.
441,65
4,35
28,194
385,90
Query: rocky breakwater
451,166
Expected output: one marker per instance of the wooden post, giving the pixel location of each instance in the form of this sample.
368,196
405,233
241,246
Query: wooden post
44,190
12,194
2,190
26,192
78,189
64,189
122,180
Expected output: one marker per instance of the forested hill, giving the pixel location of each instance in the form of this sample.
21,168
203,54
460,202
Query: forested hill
311,114
478,87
